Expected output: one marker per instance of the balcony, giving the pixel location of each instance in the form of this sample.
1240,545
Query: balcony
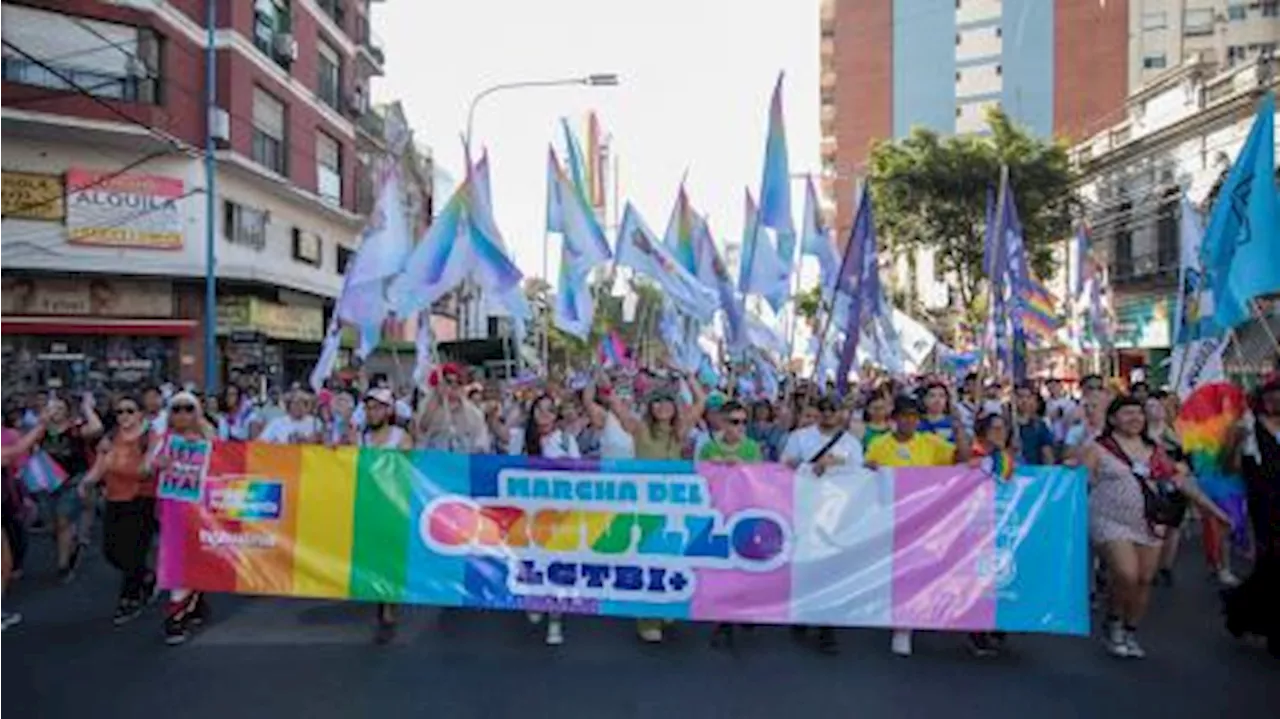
372,124
1150,267
370,46
126,88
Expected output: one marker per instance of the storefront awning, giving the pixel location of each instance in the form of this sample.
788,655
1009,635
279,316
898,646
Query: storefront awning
96,326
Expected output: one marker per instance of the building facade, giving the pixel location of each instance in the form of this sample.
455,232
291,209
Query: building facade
1181,133
105,216
1055,66
1167,33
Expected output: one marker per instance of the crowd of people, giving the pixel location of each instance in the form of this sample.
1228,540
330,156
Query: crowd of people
1141,486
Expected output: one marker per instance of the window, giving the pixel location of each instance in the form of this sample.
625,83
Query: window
999,69
1154,62
103,59
268,131
1236,12
959,111
1167,231
1235,54
999,32
958,40
307,248
1154,20
244,225
329,75
1122,243
959,74
332,8
270,20
1271,8
1197,21
344,259
328,168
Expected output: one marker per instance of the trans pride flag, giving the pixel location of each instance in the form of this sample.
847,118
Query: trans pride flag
930,548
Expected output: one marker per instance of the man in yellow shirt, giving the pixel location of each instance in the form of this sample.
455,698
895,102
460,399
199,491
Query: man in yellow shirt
905,447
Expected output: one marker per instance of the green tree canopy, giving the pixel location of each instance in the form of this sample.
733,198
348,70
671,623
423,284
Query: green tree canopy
930,192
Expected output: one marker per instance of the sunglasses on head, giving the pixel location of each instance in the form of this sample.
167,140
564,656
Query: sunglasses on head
183,408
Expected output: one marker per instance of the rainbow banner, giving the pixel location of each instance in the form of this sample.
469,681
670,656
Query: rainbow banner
928,548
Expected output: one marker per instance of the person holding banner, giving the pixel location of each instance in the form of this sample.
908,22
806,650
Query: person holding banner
448,420
660,435
541,437
299,426
380,431
819,448
875,418
908,448
1133,505
187,609
129,518
941,417
993,451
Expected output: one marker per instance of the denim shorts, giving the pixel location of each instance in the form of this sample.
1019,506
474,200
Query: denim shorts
63,502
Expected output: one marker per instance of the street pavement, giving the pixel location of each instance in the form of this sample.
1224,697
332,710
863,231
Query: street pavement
264,657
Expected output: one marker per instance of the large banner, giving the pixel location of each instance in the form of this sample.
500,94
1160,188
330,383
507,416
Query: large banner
928,548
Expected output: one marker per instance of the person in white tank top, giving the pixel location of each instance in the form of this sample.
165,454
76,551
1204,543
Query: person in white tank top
381,432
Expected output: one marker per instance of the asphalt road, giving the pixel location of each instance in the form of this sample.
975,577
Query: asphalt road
289,658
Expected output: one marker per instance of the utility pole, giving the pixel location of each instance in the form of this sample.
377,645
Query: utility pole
210,200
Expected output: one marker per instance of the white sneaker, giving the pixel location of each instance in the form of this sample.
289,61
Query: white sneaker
1227,579
1115,640
1132,647
652,635
535,617
555,632
901,644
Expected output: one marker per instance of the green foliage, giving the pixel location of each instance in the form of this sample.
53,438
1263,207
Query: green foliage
565,350
809,304
930,192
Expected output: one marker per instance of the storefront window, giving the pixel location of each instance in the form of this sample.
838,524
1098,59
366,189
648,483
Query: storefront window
76,363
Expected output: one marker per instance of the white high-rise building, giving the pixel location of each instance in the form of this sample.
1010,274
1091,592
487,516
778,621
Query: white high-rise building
1167,33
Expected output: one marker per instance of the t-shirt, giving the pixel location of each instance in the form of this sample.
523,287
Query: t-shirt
68,449
662,445
615,443
1080,434
943,427
1060,411
124,477
803,444
746,450
1035,436
922,450
287,430
555,445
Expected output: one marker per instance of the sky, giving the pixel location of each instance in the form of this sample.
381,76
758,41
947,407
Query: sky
695,82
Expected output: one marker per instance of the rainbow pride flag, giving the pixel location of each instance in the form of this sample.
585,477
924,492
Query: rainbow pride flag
1204,423
939,547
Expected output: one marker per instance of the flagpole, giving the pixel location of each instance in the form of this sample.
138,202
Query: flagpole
829,306
996,238
546,301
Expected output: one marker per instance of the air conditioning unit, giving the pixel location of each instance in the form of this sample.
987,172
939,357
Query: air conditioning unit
286,47
220,125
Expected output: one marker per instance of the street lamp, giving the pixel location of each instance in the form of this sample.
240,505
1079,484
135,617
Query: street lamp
599,79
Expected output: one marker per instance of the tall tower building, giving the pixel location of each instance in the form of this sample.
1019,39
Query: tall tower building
1226,33
1058,67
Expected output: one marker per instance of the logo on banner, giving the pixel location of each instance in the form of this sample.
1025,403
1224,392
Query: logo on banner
246,498
619,537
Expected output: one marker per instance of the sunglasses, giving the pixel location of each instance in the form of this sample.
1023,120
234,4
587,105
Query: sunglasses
737,421
126,411
183,408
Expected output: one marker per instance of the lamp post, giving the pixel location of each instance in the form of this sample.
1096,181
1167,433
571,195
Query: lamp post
592,80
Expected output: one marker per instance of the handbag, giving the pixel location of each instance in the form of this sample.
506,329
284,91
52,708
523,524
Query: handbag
42,473
1164,504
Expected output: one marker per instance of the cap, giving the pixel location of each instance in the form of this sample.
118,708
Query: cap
715,401
448,369
381,395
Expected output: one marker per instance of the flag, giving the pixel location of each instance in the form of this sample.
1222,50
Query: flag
775,185
328,357
859,280
385,245
1198,347
761,336
815,238
612,351
711,271
679,235
1241,250
1006,256
1037,310
423,341
583,247
639,250
760,271
555,220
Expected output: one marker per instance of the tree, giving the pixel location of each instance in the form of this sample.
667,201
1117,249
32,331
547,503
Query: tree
930,193
809,305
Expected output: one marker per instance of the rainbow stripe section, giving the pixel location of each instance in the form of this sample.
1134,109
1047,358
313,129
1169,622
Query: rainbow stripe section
639,538
1204,423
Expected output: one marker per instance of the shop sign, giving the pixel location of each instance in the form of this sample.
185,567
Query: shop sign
1144,322
282,322
86,298
32,196
138,211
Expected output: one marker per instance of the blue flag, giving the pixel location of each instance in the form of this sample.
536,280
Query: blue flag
859,280
1241,250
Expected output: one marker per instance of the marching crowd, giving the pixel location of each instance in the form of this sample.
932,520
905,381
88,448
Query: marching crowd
103,465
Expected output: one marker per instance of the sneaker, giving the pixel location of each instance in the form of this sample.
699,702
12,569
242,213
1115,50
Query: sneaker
650,632
1113,638
1131,645
127,610
555,632
535,618
982,646
901,644
827,643
9,619
182,617
1227,579
722,637
385,633
176,631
